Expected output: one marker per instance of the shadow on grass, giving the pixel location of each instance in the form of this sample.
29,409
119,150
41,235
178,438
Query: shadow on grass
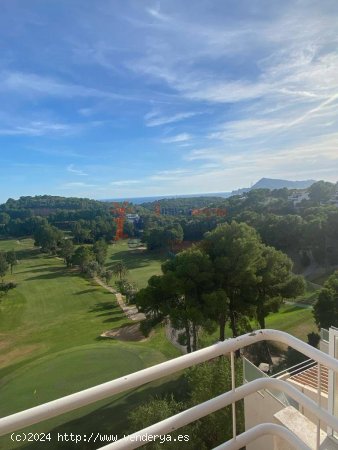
117,318
105,314
112,418
41,269
134,259
53,272
113,311
28,253
103,306
291,309
85,291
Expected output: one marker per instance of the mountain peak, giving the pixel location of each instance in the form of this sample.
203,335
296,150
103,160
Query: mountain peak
275,183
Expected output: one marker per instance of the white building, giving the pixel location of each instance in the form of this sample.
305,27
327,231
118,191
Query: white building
334,198
298,196
132,218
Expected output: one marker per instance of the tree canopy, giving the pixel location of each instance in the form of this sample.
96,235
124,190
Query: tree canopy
326,308
230,277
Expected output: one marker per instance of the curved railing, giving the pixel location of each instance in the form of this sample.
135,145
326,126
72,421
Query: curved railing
88,396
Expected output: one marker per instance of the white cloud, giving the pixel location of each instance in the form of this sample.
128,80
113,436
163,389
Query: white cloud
72,169
154,119
124,182
38,128
31,85
76,184
182,137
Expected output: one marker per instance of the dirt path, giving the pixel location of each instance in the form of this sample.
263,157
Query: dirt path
130,311
299,305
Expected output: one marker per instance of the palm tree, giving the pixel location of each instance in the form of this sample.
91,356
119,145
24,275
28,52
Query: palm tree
119,269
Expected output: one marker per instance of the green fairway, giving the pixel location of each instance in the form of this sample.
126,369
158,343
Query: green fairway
141,263
71,370
50,328
292,319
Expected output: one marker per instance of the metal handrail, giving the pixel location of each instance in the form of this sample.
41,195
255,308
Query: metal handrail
183,418
290,370
88,396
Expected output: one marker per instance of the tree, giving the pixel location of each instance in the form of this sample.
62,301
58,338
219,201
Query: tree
206,381
4,218
294,286
163,236
313,339
82,257
120,270
100,249
4,221
154,300
81,234
173,235
107,275
276,282
191,273
201,383
48,238
128,229
217,308
11,259
179,294
92,268
236,253
67,251
325,310
3,266
127,288
155,410
321,191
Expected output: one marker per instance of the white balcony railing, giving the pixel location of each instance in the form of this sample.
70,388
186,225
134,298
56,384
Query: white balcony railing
88,396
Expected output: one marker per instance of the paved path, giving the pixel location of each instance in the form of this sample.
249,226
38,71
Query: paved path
130,311
172,336
299,305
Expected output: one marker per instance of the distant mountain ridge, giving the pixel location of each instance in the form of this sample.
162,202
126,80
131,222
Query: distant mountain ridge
271,183
275,183
263,183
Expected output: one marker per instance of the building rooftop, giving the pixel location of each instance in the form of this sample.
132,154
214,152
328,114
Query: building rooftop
309,377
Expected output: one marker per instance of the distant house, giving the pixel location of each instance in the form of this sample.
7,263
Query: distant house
132,218
298,196
334,199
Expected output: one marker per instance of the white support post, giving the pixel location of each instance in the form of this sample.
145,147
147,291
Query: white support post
233,387
319,383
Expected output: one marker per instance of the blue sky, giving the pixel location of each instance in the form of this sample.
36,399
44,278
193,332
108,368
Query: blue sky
132,98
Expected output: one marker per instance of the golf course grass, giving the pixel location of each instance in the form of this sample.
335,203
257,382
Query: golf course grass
50,345
292,319
141,264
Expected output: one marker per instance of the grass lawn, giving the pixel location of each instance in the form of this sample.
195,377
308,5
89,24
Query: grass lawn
320,279
50,343
290,318
141,264
310,296
294,320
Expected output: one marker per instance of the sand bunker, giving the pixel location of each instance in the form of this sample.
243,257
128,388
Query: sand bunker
127,333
